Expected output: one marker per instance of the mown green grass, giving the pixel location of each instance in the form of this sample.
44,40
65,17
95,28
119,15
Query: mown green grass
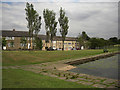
16,78
36,57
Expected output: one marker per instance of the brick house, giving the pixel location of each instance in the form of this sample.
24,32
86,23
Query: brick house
13,39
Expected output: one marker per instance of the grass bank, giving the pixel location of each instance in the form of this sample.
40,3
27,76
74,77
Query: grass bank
36,57
15,78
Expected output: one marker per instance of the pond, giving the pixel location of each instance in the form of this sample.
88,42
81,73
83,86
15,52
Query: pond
107,67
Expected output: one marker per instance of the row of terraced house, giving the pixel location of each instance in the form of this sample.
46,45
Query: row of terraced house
15,37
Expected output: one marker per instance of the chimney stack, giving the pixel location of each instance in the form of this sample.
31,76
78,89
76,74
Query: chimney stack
13,29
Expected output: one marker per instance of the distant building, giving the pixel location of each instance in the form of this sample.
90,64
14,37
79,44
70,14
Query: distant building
15,37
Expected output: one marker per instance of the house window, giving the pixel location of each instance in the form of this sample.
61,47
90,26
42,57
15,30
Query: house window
11,44
22,45
28,38
9,38
54,41
8,44
12,38
65,43
69,43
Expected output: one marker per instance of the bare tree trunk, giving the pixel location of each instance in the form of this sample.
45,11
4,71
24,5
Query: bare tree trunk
63,46
79,45
29,42
45,44
51,44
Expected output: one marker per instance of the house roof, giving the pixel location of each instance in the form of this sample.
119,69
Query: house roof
59,38
13,33
8,33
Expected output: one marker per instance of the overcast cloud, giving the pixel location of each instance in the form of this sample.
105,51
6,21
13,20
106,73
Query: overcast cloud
97,19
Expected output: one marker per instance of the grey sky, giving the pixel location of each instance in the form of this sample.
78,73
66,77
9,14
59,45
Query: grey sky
96,18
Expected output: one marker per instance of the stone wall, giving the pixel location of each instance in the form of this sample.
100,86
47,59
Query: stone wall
92,58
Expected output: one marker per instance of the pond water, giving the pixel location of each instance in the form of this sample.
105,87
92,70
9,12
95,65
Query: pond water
107,67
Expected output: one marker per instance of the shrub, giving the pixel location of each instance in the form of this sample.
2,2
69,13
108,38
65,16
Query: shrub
74,76
105,50
66,77
54,67
59,74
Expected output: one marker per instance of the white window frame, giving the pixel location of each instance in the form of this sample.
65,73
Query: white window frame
9,45
9,38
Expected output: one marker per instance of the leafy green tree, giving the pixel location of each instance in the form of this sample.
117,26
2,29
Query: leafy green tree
102,42
113,40
12,44
83,40
87,44
85,36
80,40
23,41
98,43
47,36
47,21
37,25
94,43
63,21
4,42
118,41
50,23
38,43
31,17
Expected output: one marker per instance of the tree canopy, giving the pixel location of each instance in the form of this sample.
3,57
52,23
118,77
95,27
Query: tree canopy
85,36
50,23
63,21
33,19
31,15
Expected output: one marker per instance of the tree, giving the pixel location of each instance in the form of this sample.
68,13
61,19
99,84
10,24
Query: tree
47,36
94,43
23,41
113,40
31,16
37,27
83,40
118,41
97,43
87,44
38,43
4,42
80,40
63,21
12,44
85,36
46,16
50,24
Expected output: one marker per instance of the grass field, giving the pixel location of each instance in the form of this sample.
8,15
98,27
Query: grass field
35,57
15,78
